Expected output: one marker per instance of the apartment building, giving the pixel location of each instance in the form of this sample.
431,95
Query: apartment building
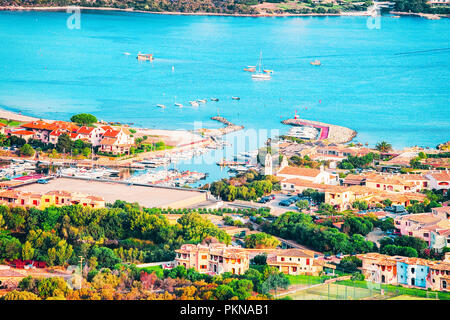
214,259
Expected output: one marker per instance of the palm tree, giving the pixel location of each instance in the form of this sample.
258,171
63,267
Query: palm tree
383,146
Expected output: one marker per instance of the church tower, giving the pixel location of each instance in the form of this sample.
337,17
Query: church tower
268,165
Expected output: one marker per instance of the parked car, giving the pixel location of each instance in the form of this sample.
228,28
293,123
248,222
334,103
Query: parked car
42,181
264,200
327,257
285,203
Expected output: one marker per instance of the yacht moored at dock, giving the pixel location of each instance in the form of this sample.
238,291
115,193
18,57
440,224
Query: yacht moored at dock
161,106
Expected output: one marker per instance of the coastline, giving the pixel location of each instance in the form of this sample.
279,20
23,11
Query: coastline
64,8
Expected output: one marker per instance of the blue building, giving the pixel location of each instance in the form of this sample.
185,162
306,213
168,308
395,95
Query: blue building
412,272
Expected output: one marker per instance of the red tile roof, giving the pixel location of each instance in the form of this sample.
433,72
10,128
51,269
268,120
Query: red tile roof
85,130
23,132
111,133
304,172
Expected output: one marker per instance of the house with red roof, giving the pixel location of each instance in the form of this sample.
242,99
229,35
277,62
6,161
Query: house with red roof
24,134
116,141
47,132
94,135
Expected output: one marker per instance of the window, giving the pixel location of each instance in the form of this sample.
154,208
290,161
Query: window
203,266
204,256
47,200
412,270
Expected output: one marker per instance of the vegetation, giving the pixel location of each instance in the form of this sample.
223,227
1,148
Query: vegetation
300,227
84,119
122,233
245,186
130,283
261,241
383,146
352,162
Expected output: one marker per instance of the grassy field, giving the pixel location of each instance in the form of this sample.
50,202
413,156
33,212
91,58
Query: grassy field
157,269
399,290
333,291
10,123
406,297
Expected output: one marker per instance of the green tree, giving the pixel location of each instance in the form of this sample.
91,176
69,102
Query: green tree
64,144
302,204
383,146
275,281
26,150
19,295
84,119
27,251
261,240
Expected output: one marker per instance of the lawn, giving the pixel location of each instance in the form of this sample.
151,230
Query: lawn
157,269
406,297
333,291
10,123
399,289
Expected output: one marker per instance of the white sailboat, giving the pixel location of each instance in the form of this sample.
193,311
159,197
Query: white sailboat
259,75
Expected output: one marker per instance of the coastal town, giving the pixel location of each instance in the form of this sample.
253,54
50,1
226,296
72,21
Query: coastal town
311,215
219,157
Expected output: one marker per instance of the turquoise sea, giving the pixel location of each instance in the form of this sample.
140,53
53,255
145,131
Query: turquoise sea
391,83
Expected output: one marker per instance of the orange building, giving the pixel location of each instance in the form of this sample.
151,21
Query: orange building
215,258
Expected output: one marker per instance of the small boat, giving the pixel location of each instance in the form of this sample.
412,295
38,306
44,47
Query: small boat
202,101
194,103
315,63
250,69
261,75
126,53
396,17
179,105
145,56
268,71
235,98
161,106
214,99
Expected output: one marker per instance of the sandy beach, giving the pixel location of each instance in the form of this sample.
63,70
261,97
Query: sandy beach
9,115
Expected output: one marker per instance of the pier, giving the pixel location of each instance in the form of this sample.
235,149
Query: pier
330,132
229,127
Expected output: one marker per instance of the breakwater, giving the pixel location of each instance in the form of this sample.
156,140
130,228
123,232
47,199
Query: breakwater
330,132
229,126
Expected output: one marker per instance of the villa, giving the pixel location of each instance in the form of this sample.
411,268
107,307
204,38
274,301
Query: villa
297,262
312,175
409,272
433,228
51,198
215,258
